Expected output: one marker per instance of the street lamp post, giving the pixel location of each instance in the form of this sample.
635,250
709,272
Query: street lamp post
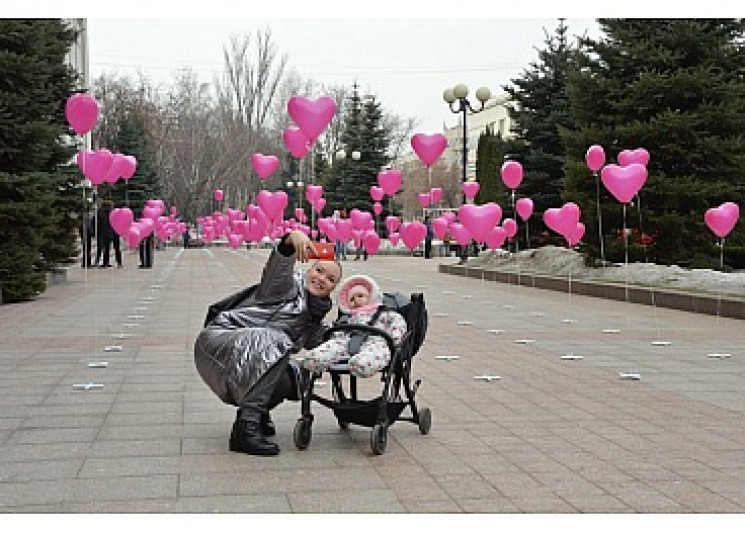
457,100
341,155
299,185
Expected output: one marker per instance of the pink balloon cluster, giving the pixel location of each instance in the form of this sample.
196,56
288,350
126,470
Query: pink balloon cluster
102,166
565,221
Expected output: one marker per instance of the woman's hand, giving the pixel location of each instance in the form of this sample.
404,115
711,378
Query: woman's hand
302,244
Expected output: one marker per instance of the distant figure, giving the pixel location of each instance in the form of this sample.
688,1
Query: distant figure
106,236
146,252
428,239
187,236
86,230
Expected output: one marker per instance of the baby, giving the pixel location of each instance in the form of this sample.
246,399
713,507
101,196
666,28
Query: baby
359,300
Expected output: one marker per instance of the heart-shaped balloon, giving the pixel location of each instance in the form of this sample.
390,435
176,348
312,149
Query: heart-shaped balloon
496,238
390,181
151,212
436,194
524,207
313,192
392,223
133,236
319,204
460,233
423,199
371,242
361,219
577,235
311,116
429,147
97,165
81,112
235,240
218,195
624,182
595,158
393,237
272,204
344,228
121,219
470,189
512,174
117,167
449,216
639,155
296,141
510,227
376,193
377,208
412,234
722,219
562,220
439,227
479,220
129,167
263,165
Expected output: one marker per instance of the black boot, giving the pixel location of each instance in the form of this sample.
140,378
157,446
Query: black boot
266,425
246,437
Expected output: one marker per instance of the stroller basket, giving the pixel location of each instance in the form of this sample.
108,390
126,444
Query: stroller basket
365,413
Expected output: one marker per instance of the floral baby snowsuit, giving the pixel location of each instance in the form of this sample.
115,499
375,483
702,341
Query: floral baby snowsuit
373,354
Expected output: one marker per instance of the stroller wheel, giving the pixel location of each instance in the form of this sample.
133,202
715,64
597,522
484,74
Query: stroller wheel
425,420
378,438
302,433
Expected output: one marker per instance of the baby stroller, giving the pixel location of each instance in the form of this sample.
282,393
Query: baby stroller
398,392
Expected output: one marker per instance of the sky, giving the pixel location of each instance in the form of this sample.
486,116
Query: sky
406,53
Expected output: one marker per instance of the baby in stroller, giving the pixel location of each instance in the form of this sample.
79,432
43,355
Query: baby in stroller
360,300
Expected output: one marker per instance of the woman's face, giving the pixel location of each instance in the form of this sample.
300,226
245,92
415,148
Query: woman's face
322,278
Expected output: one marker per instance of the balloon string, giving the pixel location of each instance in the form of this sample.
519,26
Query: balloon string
626,252
600,218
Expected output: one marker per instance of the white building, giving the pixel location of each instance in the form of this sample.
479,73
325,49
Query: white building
78,55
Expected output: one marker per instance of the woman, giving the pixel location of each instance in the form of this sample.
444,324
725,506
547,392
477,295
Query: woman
243,353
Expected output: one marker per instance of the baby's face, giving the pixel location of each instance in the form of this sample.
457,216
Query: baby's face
358,299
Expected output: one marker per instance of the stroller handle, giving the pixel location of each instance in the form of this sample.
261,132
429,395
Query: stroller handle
363,328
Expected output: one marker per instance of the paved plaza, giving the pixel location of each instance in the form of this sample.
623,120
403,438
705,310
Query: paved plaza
542,402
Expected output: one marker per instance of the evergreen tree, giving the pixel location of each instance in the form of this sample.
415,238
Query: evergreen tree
540,112
489,158
37,231
674,87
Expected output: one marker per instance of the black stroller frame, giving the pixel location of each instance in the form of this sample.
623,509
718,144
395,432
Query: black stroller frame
381,412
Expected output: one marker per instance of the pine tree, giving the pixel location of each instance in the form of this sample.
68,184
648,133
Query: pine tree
539,114
489,158
37,231
674,87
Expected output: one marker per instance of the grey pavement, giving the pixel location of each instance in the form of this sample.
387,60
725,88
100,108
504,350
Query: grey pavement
533,394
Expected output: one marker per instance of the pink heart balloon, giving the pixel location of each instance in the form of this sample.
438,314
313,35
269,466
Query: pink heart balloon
595,158
562,220
479,220
376,193
449,216
133,237
81,112
423,199
319,204
393,237
235,240
218,195
97,165
722,219
82,159
577,235
460,233
151,212
313,192
377,208
627,157
344,229
512,174
121,219
130,166
117,167
296,141
371,242
392,223
361,219
436,193
429,147
496,238
624,182
470,189
412,234
440,227
510,227
272,204
524,207
390,181
263,165
311,116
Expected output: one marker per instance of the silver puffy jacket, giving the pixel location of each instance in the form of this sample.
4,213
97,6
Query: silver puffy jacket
238,346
